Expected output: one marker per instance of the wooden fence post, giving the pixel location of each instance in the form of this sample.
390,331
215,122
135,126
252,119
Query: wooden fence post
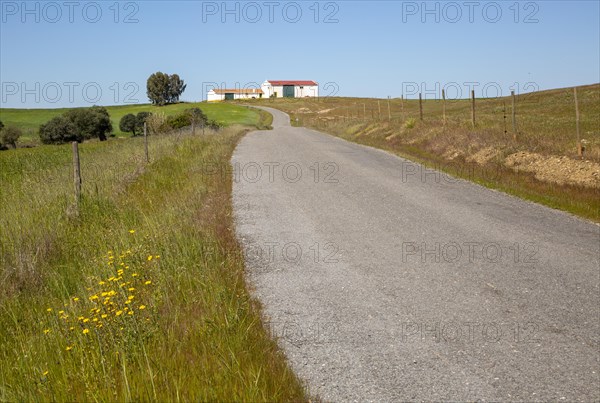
579,147
402,104
146,142
420,107
364,112
514,115
389,110
473,107
444,105
76,174
379,108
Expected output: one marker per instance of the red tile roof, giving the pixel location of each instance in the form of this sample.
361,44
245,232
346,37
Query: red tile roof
238,91
291,82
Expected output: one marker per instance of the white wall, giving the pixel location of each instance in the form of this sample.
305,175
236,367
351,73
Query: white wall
211,96
306,91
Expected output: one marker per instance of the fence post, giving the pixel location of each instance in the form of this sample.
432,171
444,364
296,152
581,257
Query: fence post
473,107
402,104
76,174
579,147
364,112
444,105
389,110
379,108
146,142
193,128
420,107
514,116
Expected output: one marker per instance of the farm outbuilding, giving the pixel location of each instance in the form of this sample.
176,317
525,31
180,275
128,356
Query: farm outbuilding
218,94
290,88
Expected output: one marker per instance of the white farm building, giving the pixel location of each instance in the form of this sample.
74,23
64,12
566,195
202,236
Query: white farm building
290,89
218,94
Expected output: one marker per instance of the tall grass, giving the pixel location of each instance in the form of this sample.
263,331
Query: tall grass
140,294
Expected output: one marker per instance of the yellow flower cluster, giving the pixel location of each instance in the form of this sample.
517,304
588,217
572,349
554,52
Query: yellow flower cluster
119,296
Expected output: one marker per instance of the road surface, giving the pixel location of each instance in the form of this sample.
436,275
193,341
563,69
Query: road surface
385,281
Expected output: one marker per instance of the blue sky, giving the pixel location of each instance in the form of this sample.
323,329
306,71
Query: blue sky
59,54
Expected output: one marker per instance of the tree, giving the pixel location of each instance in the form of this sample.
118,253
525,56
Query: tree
176,88
9,136
91,122
59,130
164,89
157,88
128,123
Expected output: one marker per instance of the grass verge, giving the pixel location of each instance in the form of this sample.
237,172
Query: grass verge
141,294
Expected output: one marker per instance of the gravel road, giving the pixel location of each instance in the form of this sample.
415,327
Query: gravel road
386,281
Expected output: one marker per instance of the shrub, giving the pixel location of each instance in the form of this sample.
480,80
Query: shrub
91,122
9,136
128,123
179,121
59,130
410,123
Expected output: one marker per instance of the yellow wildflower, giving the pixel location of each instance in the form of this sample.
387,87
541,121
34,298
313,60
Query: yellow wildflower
119,313
45,373
69,348
148,282
49,310
131,231
46,331
86,331
142,307
131,289
150,257
76,299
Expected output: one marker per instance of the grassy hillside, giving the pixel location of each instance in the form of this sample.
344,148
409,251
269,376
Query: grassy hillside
29,120
539,162
140,295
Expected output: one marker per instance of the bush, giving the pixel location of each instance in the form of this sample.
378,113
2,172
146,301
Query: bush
196,116
157,123
59,130
9,136
410,123
91,122
128,123
179,121
141,118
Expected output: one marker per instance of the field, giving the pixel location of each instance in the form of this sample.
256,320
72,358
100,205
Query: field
29,120
539,161
138,293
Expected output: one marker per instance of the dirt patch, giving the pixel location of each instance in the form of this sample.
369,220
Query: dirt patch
484,156
325,110
560,170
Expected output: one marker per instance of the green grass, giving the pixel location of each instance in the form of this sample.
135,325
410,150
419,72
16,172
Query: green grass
195,333
29,120
545,126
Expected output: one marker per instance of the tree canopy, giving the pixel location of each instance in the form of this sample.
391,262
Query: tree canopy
163,89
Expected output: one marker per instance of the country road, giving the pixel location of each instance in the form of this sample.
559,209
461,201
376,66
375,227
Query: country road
384,281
